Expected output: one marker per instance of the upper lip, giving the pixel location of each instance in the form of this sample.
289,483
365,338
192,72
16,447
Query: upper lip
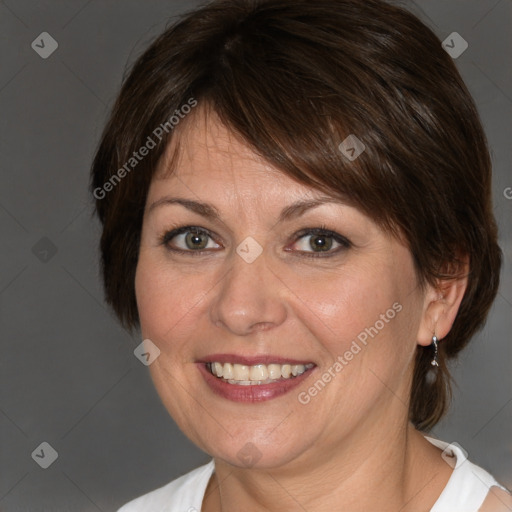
250,360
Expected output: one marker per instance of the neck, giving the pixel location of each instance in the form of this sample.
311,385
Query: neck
401,471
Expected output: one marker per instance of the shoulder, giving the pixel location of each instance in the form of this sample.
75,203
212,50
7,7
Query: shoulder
469,486
498,500
186,491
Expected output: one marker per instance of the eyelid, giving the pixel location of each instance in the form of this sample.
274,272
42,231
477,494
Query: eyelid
168,235
343,242
323,231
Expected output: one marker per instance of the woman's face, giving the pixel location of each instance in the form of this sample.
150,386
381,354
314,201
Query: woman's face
258,276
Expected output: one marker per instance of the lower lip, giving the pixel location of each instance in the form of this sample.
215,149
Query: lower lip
255,393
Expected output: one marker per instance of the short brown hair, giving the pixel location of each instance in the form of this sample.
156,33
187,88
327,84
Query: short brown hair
294,78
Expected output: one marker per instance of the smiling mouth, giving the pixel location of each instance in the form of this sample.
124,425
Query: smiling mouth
244,375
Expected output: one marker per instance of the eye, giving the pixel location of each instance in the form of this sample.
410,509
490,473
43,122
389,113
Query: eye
320,242
188,239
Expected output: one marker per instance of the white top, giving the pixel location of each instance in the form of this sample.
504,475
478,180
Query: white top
465,491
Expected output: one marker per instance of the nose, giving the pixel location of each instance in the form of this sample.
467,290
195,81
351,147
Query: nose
250,298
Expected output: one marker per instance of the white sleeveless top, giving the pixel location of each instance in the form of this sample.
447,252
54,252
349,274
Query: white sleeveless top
465,491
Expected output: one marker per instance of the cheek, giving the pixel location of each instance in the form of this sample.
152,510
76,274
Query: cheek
369,309
342,303
165,299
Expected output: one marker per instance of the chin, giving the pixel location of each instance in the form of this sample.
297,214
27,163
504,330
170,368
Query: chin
252,450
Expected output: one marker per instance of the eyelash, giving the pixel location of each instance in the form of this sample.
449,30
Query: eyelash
322,231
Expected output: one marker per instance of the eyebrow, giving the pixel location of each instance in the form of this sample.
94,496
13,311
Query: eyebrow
207,210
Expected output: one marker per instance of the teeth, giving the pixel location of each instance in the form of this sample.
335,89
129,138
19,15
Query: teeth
297,369
258,374
226,370
217,369
286,370
240,372
274,371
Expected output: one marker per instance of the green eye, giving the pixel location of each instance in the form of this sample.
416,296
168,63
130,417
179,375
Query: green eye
314,242
320,242
189,239
194,240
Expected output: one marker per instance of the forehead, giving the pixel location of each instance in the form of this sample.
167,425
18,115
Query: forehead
206,162
205,153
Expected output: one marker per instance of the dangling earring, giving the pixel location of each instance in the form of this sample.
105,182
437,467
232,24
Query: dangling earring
434,361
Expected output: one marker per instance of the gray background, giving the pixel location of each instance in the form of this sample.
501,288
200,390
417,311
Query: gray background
68,375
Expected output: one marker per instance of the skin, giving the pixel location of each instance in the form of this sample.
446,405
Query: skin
497,500
352,444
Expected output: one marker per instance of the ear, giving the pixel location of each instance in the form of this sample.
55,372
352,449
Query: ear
441,304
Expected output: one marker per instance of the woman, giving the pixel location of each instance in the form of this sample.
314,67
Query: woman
295,199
